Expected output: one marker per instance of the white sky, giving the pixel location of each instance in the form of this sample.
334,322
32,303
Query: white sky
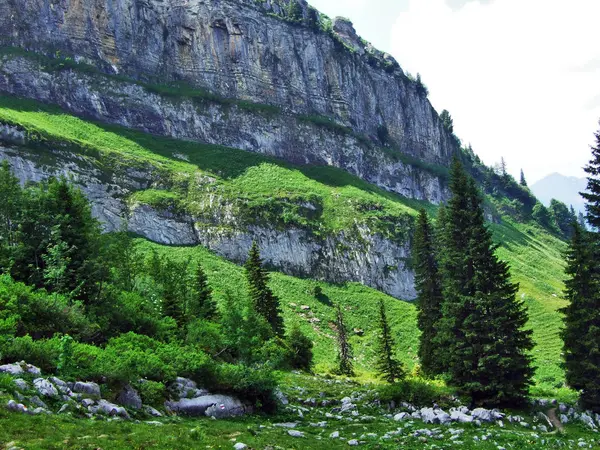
521,78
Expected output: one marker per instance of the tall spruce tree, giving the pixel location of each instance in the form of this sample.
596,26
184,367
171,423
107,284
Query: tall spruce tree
200,304
345,364
592,194
429,294
581,333
388,367
482,328
523,181
264,301
583,312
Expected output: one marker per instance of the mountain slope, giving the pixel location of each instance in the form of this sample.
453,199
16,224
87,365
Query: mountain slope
175,189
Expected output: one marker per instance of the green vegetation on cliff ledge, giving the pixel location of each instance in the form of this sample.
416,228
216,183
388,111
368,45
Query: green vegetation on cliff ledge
324,199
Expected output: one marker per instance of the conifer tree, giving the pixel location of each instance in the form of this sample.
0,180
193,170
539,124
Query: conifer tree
388,367
592,194
429,293
583,311
581,334
201,304
345,364
482,325
523,181
264,301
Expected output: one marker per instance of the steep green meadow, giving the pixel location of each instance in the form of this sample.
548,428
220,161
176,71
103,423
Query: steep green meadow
265,184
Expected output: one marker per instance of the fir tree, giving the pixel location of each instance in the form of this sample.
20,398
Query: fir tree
201,304
583,312
429,293
523,181
482,326
10,206
387,365
581,334
264,301
592,194
345,364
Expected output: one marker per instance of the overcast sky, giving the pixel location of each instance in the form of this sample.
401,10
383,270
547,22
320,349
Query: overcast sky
521,78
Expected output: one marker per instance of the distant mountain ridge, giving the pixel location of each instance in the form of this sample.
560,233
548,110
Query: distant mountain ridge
561,187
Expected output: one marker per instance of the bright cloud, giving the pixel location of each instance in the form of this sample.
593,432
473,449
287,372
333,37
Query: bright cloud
521,78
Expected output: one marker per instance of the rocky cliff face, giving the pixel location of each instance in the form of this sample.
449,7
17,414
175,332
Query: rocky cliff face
271,52
272,77
247,127
368,258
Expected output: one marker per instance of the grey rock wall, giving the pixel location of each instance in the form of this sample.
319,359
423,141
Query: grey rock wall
367,258
237,49
283,136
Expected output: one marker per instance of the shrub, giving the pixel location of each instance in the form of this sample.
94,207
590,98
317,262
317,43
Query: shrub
300,346
7,383
415,392
205,335
253,384
43,353
38,313
151,392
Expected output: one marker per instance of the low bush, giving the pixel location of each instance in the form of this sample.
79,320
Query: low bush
152,392
417,392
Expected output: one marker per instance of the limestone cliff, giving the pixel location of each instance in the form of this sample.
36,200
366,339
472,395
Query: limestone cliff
272,77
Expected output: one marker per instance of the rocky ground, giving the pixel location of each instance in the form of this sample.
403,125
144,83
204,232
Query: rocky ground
342,414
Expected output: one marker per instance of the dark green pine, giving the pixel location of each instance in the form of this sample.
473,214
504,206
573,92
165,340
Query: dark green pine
264,301
429,294
483,322
201,304
345,364
388,367
592,194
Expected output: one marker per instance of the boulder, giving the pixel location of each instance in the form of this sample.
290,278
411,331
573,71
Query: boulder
225,405
486,415
110,409
335,435
296,433
281,398
21,384
87,402
286,425
20,368
240,446
129,397
401,416
152,412
61,385
36,401
87,389
45,388
16,407
430,415
186,388
353,442
587,420
564,419
457,415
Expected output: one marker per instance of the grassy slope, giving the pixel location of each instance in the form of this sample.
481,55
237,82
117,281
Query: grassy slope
260,182
534,255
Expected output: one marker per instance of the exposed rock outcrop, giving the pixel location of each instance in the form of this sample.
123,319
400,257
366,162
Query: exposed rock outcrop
238,49
360,256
